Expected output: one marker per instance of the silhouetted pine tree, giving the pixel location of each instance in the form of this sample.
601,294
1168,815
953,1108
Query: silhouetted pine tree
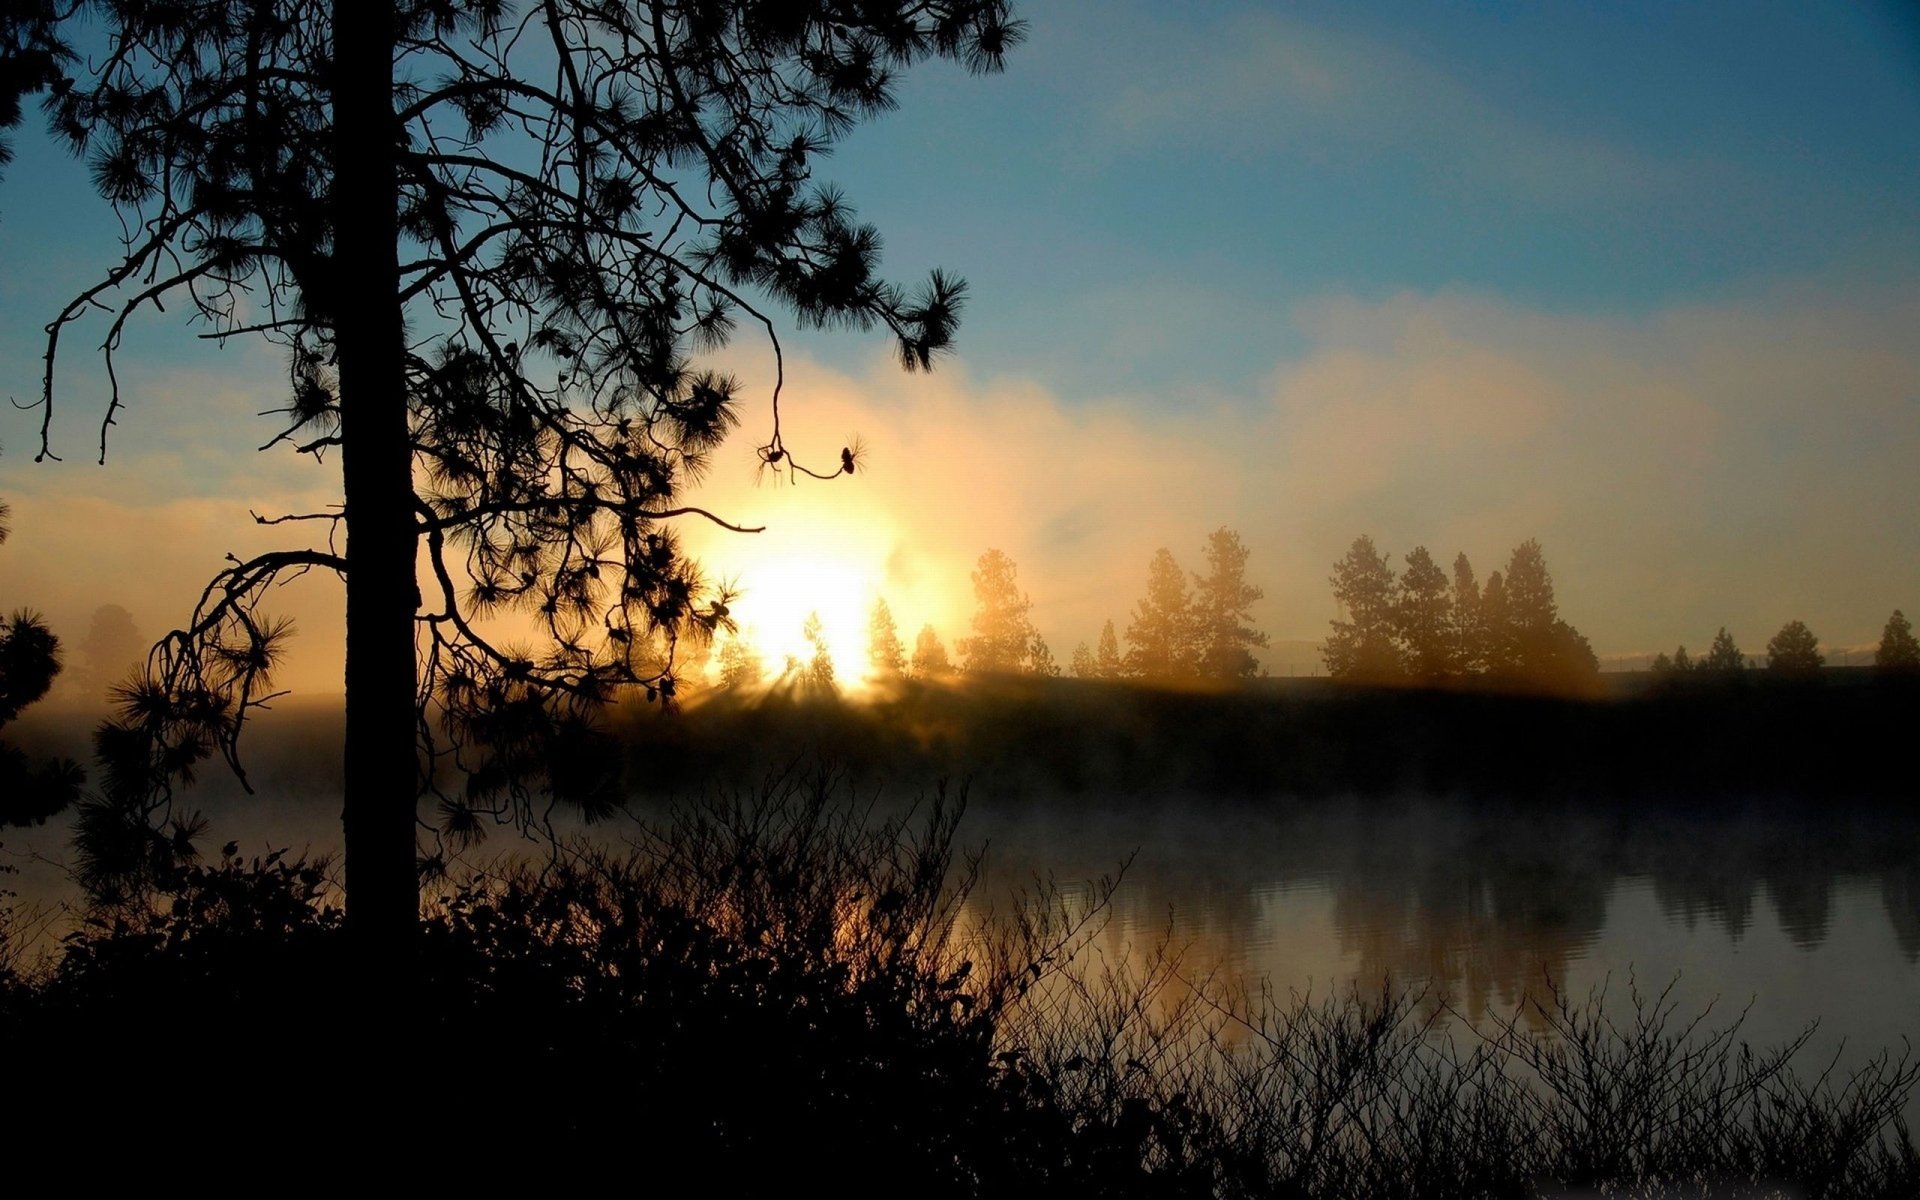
1423,618
1723,657
929,655
1107,662
1364,646
1679,663
1081,663
740,664
884,649
1162,641
490,243
1898,650
1499,641
818,670
1004,638
1222,603
113,650
1545,650
1794,650
1464,613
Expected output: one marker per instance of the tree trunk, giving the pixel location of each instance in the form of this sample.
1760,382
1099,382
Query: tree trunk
376,462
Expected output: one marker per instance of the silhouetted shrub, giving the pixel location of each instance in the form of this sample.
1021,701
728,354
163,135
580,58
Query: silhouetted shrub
784,989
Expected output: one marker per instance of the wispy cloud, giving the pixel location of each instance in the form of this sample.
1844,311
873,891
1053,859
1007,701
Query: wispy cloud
1263,84
1737,463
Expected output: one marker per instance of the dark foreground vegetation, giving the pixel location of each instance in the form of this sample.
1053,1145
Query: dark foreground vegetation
1752,736
783,990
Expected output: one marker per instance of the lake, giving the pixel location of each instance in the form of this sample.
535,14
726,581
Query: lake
1797,910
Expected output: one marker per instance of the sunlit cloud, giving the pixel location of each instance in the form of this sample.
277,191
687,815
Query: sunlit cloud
1739,463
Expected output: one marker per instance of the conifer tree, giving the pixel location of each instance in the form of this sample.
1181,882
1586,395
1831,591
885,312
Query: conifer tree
1538,646
819,665
1499,642
1222,600
1004,638
1364,646
1081,664
490,242
1107,662
1794,650
1898,650
1161,639
1423,618
1464,610
1723,657
740,664
884,649
929,655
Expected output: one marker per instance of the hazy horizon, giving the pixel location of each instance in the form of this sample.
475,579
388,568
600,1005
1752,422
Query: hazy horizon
1449,281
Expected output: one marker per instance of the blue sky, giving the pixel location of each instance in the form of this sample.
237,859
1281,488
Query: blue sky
1201,168
1642,280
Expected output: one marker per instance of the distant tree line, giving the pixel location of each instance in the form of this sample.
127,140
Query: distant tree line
1418,625
1181,635
1795,650
1179,632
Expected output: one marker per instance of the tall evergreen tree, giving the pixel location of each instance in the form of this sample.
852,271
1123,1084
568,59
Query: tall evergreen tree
1222,600
1423,618
1898,650
1081,664
1679,663
929,655
1161,639
1004,638
1532,611
1723,657
1794,650
1364,646
490,244
818,669
1107,662
1538,646
1499,640
740,664
1040,657
1467,635
884,649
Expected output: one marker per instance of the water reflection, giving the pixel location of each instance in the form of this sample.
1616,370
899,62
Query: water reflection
1484,903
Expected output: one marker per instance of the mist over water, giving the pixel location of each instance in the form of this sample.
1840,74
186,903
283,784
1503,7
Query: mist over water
1794,913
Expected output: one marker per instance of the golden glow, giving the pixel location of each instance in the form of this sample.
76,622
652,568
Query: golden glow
781,590
827,550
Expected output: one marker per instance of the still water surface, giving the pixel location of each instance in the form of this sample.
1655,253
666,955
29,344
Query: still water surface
1798,913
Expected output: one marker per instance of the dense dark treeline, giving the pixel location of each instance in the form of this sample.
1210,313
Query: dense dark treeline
1755,734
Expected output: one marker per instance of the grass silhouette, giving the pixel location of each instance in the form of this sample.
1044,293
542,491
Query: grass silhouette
780,987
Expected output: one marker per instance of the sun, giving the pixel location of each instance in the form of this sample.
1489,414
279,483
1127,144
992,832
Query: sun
825,560
780,592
